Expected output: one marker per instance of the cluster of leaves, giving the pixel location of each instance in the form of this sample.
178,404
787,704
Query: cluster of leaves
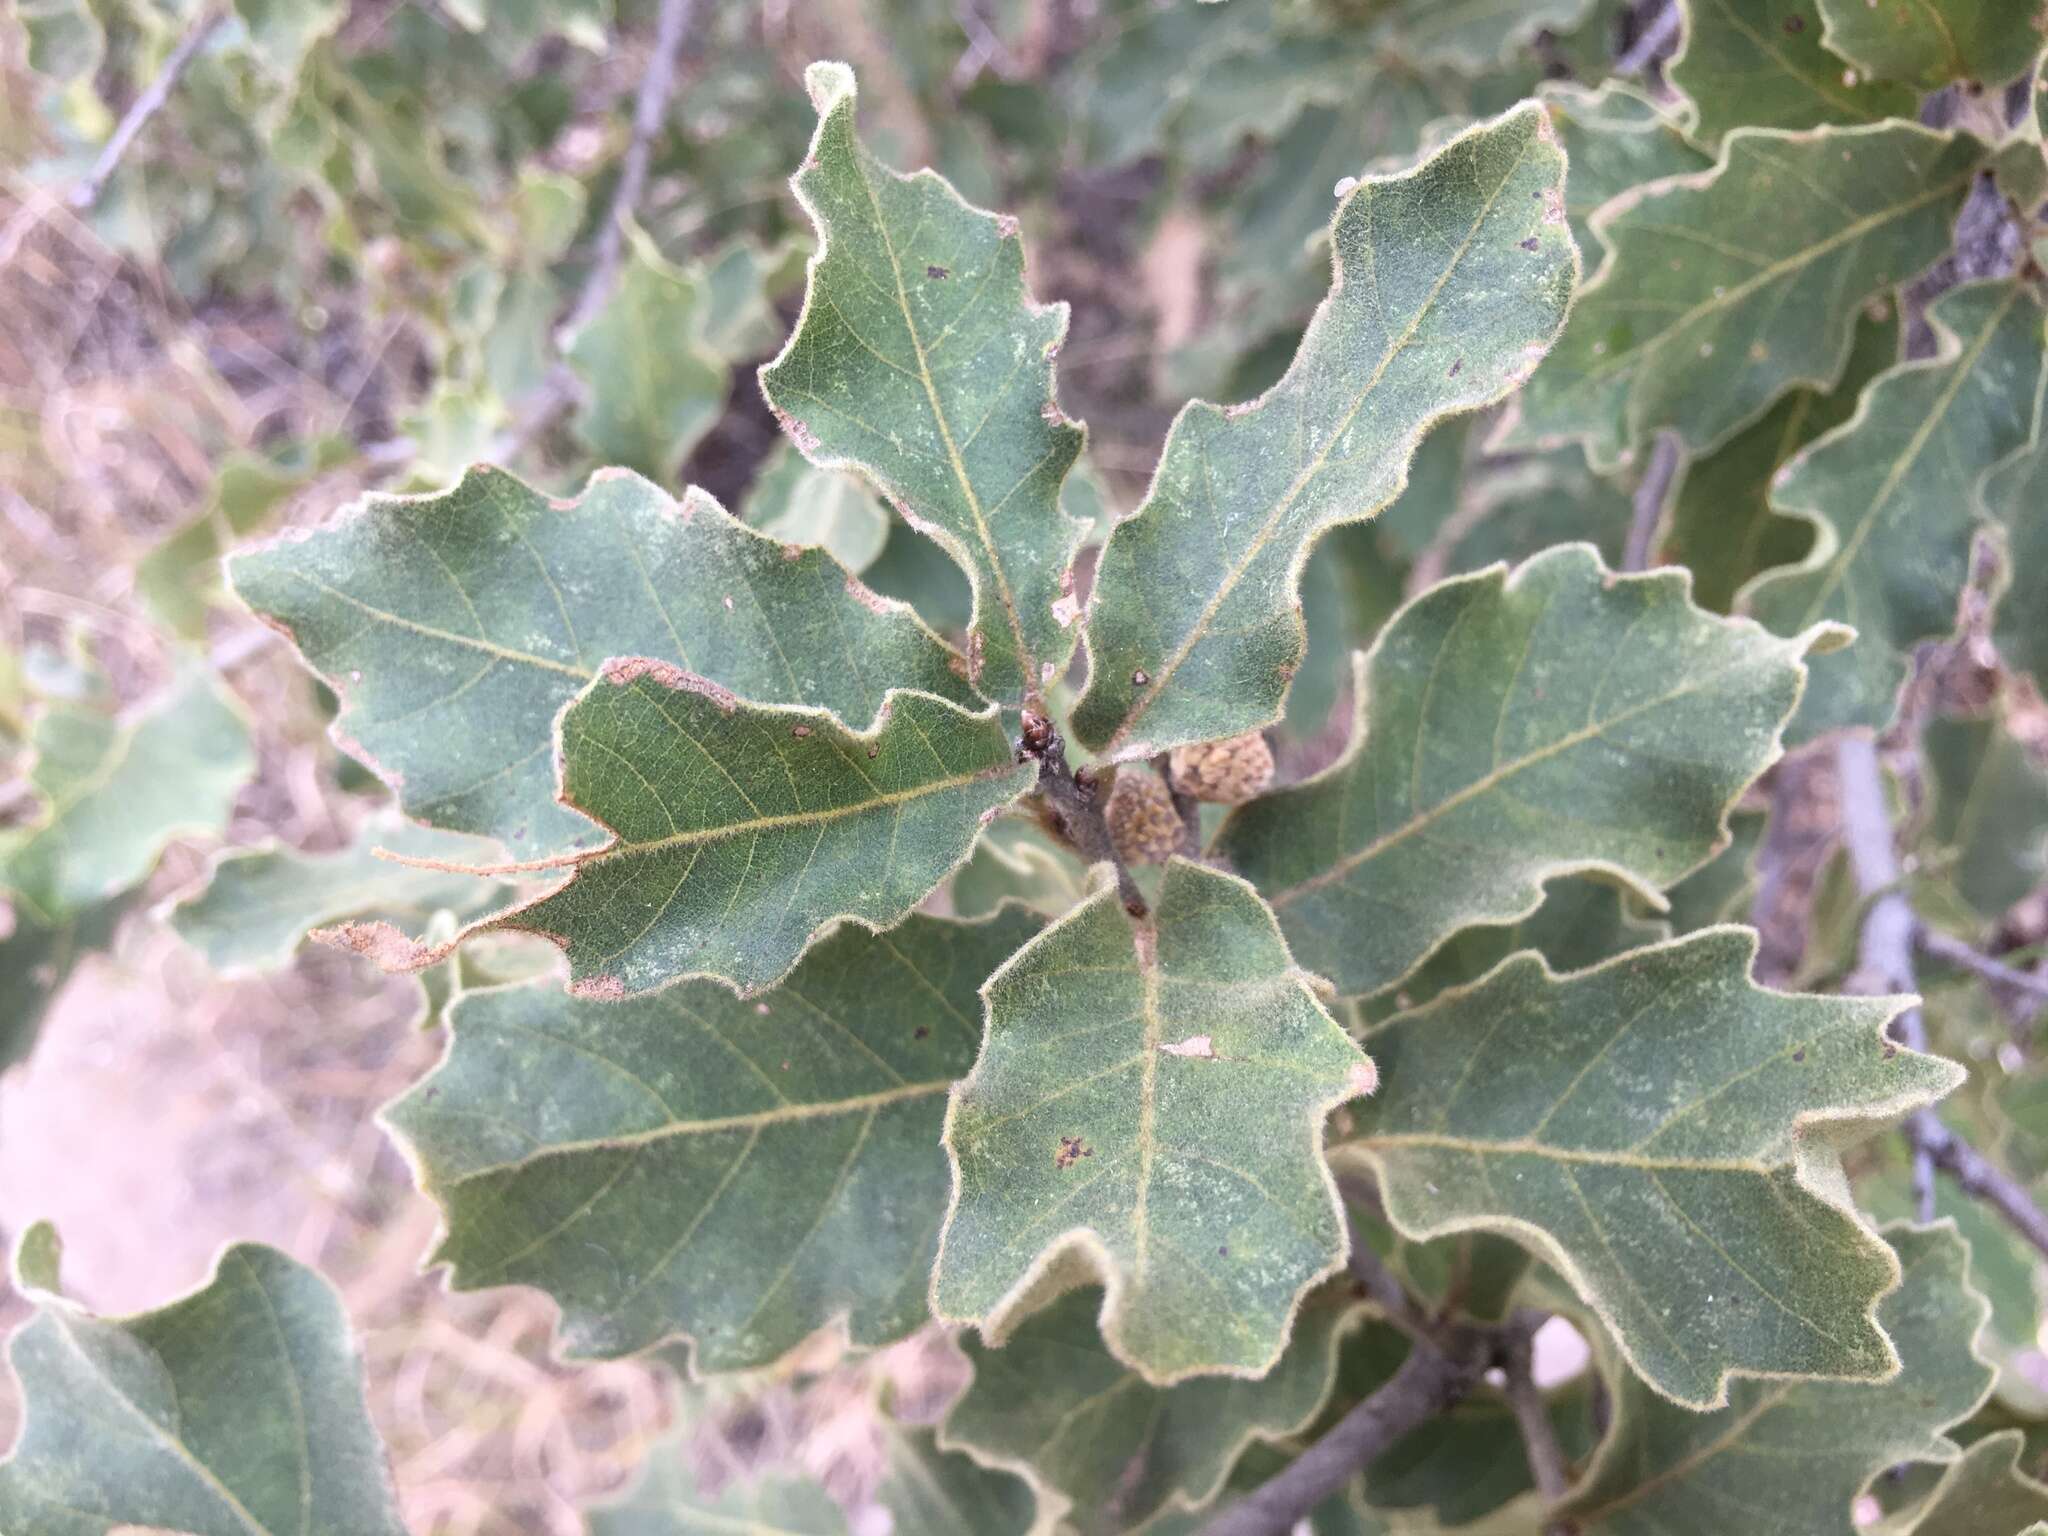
864,1027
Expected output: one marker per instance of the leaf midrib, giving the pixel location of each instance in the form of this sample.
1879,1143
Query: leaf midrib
1264,536
751,1120
1963,367
1491,780
1522,1146
785,820
1027,663
1733,295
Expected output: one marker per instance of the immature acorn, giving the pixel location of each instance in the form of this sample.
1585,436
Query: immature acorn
1142,821
1226,772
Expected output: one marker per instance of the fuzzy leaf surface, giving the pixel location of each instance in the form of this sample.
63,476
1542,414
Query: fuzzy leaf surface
1615,139
1787,1458
111,792
1512,728
921,361
237,1411
1927,46
742,1173
456,626
1650,1128
1450,281
1147,1111
1762,64
740,831
1683,328
1122,1451
1893,495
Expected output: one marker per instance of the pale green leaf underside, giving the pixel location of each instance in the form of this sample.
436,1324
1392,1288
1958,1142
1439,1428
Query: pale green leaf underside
921,361
1650,1127
1787,1458
1147,1111
1893,495
1513,728
1450,281
799,503
237,1411
652,389
740,1173
1929,43
1121,1451
1982,1492
740,831
455,626
111,793
259,903
1762,64
1687,328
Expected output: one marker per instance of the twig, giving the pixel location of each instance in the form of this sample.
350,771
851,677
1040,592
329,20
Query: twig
1656,37
1886,952
1885,948
143,108
1975,1175
558,388
1428,1382
650,109
1383,1290
1532,1418
1941,947
1075,803
1651,495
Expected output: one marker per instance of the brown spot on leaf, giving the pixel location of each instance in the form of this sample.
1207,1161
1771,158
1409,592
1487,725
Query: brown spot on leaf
1140,678
1529,244
604,989
1795,25
1890,1050
1800,1054
799,731
1072,1150
920,1032
935,272
1456,368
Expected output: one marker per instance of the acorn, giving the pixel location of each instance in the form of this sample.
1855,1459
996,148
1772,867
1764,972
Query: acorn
1226,772
1142,821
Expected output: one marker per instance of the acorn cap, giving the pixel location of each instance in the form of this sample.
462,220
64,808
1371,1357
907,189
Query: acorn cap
1226,772
1142,821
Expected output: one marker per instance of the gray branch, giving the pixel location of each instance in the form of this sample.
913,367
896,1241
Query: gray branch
1941,947
145,107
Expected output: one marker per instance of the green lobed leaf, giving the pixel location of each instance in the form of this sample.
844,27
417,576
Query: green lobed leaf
1450,281
740,832
1512,728
1893,495
36,960
1724,888
65,39
112,792
741,1173
1147,1111
921,361
237,1411
1014,862
1057,1406
1721,524
2014,496
258,904
1615,139
1473,34
1762,64
1927,46
1655,1128
1788,1458
653,389
1982,1492
1532,504
457,625
798,503
1987,814
1683,328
